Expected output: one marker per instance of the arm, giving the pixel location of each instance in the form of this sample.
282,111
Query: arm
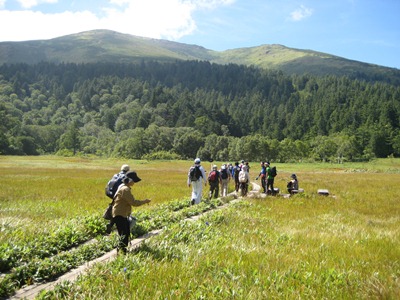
128,197
188,180
203,175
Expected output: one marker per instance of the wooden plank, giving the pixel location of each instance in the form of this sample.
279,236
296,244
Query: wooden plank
323,192
298,191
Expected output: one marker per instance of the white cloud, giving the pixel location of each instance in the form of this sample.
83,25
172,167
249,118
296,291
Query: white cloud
31,3
2,2
170,19
29,25
210,4
152,18
301,13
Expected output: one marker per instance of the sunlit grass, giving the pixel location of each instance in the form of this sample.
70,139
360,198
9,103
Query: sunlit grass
344,246
258,251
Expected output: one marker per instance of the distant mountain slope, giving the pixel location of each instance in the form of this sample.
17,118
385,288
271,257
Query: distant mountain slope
297,61
110,46
98,45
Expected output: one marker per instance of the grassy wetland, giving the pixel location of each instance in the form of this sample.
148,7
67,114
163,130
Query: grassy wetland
343,246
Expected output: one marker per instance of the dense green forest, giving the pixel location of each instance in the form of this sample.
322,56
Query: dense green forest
186,109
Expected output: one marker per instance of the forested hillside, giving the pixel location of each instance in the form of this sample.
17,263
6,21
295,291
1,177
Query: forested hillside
191,108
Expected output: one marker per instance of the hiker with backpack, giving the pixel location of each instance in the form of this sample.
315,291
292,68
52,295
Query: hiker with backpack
122,209
214,180
244,180
263,177
225,177
230,170
112,187
271,173
235,175
196,177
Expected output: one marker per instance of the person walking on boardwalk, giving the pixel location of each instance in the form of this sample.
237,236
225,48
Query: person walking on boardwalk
196,177
244,180
122,208
225,178
112,187
270,180
263,177
235,175
214,180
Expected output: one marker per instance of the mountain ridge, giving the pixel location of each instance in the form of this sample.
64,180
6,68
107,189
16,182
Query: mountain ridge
110,46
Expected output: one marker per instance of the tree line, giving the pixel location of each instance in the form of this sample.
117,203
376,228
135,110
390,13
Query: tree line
187,109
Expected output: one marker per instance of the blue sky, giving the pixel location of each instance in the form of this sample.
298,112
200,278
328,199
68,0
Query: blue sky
363,30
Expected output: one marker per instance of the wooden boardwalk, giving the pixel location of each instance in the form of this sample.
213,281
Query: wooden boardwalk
31,291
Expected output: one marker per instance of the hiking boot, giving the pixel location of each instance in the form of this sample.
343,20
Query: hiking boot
108,228
193,201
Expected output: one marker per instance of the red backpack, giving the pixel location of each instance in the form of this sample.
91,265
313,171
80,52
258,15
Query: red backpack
212,177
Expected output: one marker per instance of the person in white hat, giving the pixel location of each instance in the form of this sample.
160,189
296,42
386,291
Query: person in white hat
196,177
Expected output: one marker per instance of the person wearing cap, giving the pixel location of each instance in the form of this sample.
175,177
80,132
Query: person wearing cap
263,177
124,169
197,184
235,175
214,179
293,184
244,180
225,177
122,208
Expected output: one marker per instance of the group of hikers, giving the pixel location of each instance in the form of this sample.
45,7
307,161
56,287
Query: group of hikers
119,189
239,173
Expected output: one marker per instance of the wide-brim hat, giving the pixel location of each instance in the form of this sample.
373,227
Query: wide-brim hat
132,175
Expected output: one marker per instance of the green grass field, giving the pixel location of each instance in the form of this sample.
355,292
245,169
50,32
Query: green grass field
344,246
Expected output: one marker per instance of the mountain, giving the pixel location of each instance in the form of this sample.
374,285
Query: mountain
100,46
109,46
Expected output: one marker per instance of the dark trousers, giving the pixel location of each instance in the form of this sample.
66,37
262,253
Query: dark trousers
123,231
264,184
237,184
244,187
214,189
270,183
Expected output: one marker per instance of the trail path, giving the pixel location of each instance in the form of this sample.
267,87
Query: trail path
30,292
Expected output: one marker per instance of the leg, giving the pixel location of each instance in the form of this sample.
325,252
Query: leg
211,192
224,187
272,187
268,186
264,184
197,191
123,231
216,193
